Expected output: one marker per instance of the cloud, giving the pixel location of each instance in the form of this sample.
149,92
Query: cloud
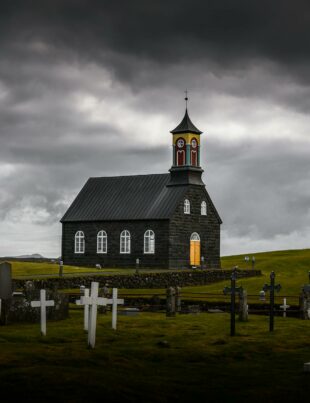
93,89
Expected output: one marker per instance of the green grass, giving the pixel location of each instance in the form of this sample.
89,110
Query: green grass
291,268
201,363
36,270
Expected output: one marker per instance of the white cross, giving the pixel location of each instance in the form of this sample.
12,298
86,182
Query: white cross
86,309
43,303
284,307
93,301
114,302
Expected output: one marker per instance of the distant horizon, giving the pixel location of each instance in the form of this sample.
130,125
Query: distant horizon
222,256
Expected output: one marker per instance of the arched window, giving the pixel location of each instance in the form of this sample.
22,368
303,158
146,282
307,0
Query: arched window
79,242
187,207
195,237
194,146
125,242
180,147
149,241
203,208
102,242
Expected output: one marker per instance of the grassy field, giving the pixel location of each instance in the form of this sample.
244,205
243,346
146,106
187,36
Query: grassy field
33,270
152,358
291,268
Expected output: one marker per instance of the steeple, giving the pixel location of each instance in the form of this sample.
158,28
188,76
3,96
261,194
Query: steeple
186,152
186,126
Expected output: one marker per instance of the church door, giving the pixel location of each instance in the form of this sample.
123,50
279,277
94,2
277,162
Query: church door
195,249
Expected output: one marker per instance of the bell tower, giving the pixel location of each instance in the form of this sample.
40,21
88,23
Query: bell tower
186,153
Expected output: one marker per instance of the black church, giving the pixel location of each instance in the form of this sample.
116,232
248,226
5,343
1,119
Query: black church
164,220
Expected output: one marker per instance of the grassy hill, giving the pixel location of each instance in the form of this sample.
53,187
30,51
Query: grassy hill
291,268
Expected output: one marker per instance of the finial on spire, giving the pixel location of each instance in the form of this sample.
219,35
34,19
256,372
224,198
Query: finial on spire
186,97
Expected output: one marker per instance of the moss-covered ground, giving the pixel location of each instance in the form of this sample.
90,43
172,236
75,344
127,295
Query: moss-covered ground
151,358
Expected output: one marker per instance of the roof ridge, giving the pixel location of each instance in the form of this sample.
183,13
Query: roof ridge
127,176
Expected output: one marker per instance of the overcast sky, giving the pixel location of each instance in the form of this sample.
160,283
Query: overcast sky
92,88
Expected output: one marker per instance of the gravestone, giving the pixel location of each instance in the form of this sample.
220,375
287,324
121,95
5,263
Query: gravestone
93,301
305,302
114,301
5,291
243,306
129,312
42,304
61,268
284,307
86,308
178,301
5,280
170,302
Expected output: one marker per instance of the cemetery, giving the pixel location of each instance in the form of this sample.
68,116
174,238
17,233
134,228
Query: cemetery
100,344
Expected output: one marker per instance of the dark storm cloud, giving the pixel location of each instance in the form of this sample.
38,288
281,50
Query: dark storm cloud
143,43
224,32
84,85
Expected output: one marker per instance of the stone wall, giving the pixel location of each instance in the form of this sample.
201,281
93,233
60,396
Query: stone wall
149,280
20,309
183,225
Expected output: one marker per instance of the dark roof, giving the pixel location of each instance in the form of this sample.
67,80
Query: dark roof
186,126
137,197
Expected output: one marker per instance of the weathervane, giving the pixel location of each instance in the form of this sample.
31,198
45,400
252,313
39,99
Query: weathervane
186,97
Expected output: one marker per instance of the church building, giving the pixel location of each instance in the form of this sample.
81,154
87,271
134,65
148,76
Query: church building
164,220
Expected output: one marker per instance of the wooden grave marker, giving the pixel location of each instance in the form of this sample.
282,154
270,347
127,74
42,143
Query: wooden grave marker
43,304
86,309
93,301
114,302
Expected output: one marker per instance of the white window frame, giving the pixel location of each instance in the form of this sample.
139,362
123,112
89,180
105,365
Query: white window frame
204,208
102,242
149,242
187,206
125,240
79,242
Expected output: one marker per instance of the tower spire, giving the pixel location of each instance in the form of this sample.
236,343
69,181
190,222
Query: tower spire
186,167
186,97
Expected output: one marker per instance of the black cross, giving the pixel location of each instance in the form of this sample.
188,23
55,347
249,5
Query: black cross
233,290
186,97
272,288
